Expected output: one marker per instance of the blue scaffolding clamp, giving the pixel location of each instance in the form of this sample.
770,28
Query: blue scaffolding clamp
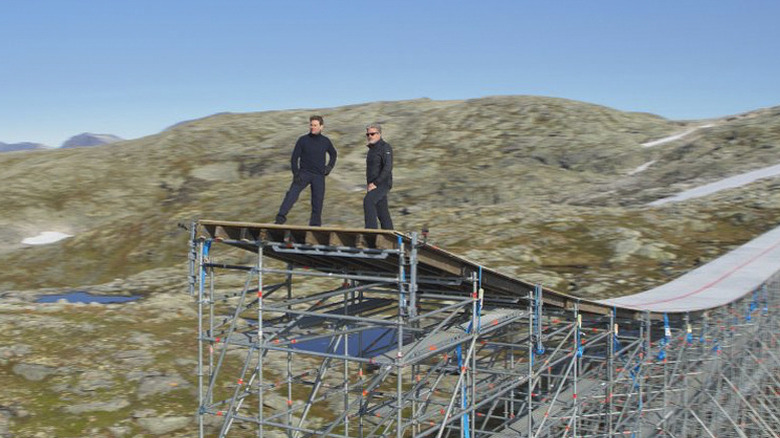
665,340
752,306
689,333
205,255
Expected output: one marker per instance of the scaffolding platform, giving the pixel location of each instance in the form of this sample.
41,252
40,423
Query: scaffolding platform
341,332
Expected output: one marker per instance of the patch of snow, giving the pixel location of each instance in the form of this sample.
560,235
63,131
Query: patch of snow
727,183
671,138
46,237
642,168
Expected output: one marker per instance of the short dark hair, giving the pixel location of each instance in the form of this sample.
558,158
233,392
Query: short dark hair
317,118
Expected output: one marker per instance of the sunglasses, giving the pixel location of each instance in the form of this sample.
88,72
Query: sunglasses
369,134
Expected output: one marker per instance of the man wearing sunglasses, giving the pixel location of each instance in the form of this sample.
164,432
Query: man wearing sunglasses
379,179
309,168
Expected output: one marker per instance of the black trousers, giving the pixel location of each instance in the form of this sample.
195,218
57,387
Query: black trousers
299,183
375,206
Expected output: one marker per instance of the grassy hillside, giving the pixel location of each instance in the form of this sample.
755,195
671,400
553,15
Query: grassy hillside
539,187
551,190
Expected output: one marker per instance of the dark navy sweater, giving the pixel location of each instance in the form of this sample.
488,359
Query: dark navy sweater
309,154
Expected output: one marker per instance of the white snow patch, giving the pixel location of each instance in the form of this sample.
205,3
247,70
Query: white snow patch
727,183
46,237
671,138
642,168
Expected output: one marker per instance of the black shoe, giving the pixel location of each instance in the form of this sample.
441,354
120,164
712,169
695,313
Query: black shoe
280,220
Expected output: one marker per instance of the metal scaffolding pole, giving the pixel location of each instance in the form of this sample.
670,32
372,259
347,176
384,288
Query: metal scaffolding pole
375,335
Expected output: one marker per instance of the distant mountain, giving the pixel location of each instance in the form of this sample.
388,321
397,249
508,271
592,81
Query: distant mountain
88,139
5,147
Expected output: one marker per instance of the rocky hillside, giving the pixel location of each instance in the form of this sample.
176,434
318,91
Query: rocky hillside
544,188
551,190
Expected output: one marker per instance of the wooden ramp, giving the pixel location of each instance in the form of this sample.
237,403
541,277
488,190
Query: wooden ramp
358,250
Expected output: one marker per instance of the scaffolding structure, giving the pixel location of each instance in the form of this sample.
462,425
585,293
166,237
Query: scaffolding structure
307,331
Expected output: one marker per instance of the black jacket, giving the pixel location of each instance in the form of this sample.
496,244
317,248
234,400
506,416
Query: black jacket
310,150
379,164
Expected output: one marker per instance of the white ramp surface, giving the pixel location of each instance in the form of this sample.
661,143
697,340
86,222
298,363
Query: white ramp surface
727,183
719,282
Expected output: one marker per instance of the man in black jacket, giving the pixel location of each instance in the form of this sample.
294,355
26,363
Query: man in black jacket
308,167
379,179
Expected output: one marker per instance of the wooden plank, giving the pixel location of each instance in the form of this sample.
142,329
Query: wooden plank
491,279
343,239
205,231
435,261
361,241
439,261
221,233
594,308
248,235
554,300
384,241
229,224
317,238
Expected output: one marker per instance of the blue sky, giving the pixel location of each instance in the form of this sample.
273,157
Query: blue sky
132,68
